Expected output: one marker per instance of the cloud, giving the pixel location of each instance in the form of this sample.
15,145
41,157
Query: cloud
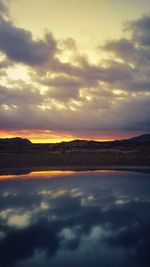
17,96
140,30
63,87
18,45
75,95
123,48
56,109
134,49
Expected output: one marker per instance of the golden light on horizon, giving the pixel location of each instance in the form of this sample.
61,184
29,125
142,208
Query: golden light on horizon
49,136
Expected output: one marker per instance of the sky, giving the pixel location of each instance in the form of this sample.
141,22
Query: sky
74,69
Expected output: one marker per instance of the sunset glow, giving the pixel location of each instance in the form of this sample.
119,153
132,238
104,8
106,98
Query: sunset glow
46,136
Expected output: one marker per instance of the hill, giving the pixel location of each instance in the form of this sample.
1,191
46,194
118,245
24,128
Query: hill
145,138
17,144
14,144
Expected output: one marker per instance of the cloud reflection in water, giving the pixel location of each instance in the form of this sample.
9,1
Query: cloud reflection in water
85,219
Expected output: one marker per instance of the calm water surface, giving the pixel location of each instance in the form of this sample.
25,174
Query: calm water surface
73,219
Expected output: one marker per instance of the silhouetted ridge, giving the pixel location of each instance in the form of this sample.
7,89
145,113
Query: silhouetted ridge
14,144
141,138
15,140
20,144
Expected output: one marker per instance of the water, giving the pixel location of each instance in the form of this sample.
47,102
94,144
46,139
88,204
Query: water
74,219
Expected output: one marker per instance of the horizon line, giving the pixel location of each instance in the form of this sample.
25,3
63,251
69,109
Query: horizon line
39,141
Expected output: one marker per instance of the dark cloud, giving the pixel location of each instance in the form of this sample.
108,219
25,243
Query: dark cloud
136,85
17,96
134,49
140,30
63,87
40,110
127,51
123,48
63,81
117,72
18,45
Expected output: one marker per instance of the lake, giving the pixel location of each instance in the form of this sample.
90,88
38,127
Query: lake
75,219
